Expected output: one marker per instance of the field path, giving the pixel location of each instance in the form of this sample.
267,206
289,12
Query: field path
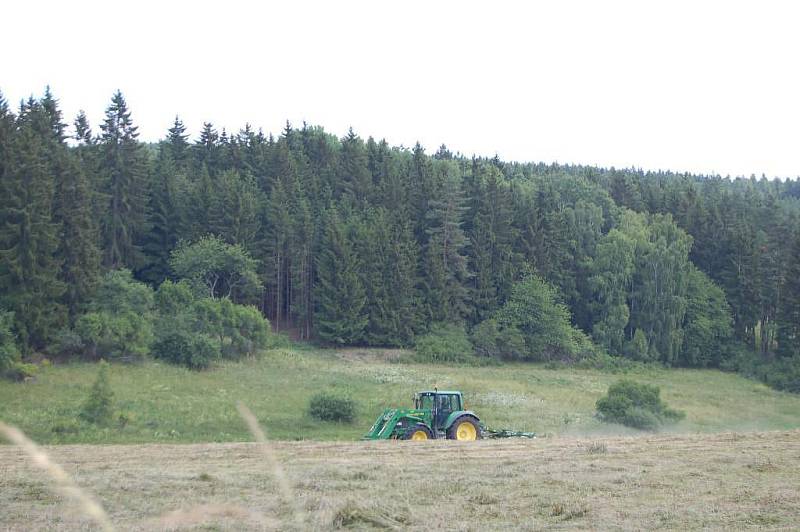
725,480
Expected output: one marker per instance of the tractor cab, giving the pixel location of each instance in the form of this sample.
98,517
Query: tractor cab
441,404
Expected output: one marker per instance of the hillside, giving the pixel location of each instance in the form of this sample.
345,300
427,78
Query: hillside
718,481
161,403
351,241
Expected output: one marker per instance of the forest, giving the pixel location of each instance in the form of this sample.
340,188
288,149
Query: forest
115,248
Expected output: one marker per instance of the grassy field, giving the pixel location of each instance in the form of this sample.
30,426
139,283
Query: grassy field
718,481
159,403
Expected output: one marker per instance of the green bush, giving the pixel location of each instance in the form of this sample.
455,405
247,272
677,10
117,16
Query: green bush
636,405
195,351
782,374
490,340
532,325
119,323
445,343
331,407
98,408
11,366
9,352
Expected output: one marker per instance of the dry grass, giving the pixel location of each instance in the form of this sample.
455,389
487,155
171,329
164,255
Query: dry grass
722,481
59,480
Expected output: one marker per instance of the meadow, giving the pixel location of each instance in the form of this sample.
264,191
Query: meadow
159,403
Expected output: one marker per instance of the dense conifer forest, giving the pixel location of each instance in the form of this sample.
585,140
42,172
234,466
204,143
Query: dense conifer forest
352,241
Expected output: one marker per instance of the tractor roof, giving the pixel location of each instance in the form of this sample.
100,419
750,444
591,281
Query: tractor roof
440,392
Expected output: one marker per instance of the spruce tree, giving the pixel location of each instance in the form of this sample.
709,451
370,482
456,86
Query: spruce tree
177,145
78,247
124,172
389,261
341,317
234,213
83,131
29,266
789,313
164,220
445,264
354,174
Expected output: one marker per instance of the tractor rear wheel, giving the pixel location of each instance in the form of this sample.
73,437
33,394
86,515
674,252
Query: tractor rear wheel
464,428
418,432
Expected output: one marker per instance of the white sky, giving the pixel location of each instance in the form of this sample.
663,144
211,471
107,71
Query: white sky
701,86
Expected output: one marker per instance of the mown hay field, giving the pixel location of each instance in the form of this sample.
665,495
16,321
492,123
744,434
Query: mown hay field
722,481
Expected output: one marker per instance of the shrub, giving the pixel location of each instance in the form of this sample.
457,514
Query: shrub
636,405
21,371
98,406
238,330
490,340
120,321
195,351
9,353
444,343
331,407
782,374
245,327
11,366
533,325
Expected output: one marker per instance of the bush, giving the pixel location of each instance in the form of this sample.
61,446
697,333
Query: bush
194,330
534,314
490,340
636,405
9,353
195,351
98,407
444,343
120,321
782,374
330,407
245,327
21,371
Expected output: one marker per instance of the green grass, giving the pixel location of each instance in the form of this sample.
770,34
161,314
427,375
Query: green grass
162,403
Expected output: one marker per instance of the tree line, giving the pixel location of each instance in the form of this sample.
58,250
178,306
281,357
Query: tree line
356,242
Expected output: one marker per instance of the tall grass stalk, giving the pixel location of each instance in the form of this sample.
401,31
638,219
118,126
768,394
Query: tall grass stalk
61,479
277,471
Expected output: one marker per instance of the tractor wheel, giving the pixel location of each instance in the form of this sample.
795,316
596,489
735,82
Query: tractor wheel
464,428
420,431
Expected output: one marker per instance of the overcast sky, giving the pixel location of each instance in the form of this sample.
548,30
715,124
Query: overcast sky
702,86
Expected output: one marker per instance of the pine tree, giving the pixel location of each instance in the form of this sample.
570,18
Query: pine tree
164,221
206,149
234,213
789,313
354,174
79,236
340,316
177,145
445,265
83,132
124,171
29,266
389,261
492,258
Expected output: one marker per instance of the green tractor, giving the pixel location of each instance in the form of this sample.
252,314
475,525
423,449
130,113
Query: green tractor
436,414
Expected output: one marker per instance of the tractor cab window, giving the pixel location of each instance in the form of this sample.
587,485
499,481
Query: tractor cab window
425,401
449,403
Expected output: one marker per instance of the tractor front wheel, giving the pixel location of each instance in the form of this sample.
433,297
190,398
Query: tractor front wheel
418,432
464,428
